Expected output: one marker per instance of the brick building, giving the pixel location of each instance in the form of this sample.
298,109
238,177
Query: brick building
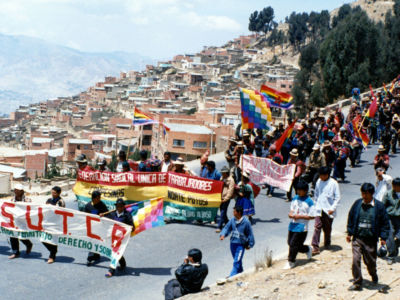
36,165
75,147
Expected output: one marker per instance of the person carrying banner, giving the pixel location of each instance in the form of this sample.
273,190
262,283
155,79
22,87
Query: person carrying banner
190,277
82,162
103,166
242,238
212,173
327,197
144,165
95,207
56,201
367,223
121,160
19,196
227,194
167,165
121,215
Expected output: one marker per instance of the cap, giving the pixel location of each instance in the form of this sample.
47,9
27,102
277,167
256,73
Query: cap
316,147
102,162
119,201
81,158
225,169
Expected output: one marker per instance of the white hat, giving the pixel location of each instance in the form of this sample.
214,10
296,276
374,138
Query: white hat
19,187
316,146
179,161
294,152
381,148
246,174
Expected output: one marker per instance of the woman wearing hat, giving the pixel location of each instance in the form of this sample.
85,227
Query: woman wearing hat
179,166
121,215
246,196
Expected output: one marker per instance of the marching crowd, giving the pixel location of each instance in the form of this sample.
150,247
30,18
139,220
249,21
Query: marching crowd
321,147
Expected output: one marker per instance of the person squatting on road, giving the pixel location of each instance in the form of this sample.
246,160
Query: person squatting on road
56,201
242,238
327,197
189,276
367,222
19,196
302,209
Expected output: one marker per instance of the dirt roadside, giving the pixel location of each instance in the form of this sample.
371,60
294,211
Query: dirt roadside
326,276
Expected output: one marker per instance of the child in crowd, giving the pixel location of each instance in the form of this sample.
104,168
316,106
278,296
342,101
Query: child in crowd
302,209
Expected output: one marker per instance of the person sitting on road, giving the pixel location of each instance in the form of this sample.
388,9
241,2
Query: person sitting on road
190,276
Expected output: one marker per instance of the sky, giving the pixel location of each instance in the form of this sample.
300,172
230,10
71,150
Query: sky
153,28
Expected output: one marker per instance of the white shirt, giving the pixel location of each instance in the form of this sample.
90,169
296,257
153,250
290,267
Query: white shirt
327,196
119,167
382,186
165,166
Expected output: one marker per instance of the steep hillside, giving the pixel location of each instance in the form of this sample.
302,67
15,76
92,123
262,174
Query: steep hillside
32,70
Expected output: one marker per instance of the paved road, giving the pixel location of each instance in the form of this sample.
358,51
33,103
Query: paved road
153,255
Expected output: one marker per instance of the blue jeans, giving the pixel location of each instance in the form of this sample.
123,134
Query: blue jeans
394,233
237,251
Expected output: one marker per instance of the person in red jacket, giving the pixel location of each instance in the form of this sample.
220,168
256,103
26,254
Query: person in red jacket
381,159
82,162
300,169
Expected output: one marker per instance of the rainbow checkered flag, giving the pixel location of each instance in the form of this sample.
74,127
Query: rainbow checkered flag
146,214
255,112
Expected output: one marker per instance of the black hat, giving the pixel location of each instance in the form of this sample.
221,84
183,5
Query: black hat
81,158
195,254
119,201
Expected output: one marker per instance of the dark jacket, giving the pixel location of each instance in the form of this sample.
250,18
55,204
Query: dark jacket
95,209
380,227
191,277
125,218
56,202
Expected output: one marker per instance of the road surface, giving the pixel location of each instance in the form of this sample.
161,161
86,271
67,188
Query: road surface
153,255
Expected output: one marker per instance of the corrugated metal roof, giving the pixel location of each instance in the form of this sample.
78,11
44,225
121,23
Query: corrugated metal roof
41,140
80,141
17,172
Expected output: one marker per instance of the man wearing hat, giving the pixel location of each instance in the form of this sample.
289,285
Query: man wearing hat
103,165
19,196
300,169
316,161
190,276
227,194
179,167
121,215
82,162
381,159
230,152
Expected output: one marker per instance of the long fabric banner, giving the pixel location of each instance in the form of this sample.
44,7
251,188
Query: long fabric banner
66,227
266,171
185,197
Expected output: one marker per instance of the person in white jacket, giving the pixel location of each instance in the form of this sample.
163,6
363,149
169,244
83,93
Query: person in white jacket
326,198
383,184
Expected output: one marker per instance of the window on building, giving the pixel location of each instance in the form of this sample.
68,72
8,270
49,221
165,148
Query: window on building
86,147
78,147
148,127
179,143
283,86
199,144
146,140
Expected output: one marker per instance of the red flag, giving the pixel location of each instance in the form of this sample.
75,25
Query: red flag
373,107
286,134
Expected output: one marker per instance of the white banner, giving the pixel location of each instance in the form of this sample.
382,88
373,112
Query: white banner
266,171
65,227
